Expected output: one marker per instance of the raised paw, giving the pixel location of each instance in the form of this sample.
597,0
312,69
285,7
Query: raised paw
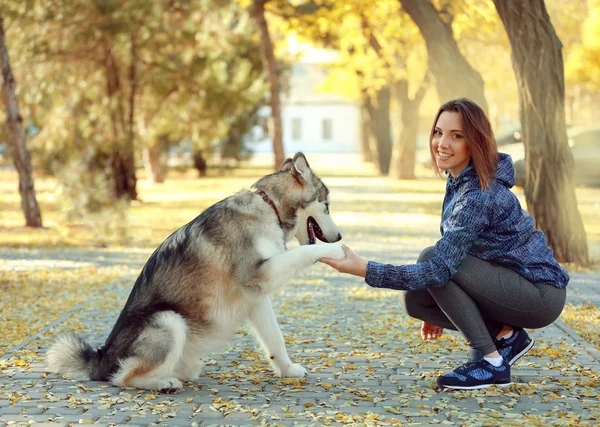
332,250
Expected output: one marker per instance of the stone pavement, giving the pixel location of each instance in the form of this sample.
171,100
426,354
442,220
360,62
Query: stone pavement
366,362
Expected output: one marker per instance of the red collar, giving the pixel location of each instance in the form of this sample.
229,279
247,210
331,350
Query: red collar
268,200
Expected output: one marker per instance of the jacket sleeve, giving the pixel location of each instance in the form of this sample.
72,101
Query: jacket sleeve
468,218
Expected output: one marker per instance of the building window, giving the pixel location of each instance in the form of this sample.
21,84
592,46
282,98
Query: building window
296,129
327,129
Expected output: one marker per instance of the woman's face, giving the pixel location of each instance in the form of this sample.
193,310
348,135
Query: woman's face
449,145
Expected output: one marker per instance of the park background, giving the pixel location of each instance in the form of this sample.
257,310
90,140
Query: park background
123,120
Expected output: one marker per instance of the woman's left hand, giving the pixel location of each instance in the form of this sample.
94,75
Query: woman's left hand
351,264
430,331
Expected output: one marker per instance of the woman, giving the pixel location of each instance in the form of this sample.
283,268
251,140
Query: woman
492,273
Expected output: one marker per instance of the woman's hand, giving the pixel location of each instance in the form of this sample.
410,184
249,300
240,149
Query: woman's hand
351,264
431,332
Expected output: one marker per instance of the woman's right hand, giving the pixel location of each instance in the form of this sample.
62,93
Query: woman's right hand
431,332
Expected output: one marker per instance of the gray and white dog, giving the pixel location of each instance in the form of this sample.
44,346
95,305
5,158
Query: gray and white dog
206,279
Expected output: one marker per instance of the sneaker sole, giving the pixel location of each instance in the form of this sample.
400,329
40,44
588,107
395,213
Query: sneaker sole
522,353
476,387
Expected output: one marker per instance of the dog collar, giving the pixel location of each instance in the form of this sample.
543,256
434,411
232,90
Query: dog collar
268,200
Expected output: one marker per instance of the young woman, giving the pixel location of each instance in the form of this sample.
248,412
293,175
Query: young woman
492,273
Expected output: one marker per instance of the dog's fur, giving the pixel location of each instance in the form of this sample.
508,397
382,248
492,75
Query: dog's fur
205,280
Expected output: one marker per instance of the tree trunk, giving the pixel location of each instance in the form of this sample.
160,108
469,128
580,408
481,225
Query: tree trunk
366,136
270,63
452,75
379,120
405,146
155,160
130,141
200,163
122,162
549,182
16,139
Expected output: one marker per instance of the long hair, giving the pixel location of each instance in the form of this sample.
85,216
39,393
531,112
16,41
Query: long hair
478,135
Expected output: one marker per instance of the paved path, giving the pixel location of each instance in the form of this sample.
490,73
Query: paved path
366,363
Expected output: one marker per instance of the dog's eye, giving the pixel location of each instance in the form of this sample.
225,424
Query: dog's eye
327,207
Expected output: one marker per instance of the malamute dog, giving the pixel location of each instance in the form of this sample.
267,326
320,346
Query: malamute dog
207,278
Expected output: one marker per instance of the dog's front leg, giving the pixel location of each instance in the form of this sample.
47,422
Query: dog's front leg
279,269
265,326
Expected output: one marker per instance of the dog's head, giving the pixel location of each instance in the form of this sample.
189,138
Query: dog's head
314,220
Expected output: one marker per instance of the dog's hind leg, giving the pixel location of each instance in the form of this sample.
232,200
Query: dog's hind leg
265,326
155,355
190,366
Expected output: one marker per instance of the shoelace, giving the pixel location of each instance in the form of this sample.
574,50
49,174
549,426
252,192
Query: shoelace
467,366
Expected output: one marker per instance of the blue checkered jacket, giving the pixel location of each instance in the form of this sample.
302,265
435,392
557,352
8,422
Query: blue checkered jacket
489,225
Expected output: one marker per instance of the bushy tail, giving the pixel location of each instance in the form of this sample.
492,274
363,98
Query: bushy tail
71,356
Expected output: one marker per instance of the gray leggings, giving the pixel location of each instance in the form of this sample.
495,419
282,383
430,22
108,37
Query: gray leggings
481,298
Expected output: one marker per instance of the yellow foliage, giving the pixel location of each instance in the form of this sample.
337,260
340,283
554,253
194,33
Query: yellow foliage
582,65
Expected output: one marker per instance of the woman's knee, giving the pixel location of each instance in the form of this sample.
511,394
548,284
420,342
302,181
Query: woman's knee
412,303
426,254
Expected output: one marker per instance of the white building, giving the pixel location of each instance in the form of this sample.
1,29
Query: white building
314,121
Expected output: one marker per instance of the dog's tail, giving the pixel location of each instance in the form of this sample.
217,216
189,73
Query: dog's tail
71,356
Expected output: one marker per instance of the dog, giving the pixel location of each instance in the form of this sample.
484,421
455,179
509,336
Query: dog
206,279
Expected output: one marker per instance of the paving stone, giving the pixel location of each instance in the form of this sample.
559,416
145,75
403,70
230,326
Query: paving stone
11,410
64,411
25,418
208,416
117,418
74,418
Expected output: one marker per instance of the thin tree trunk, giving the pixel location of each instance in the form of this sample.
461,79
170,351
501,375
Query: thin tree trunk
16,139
122,163
549,182
270,63
366,136
155,160
452,74
379,119
200,163
405,146
129,143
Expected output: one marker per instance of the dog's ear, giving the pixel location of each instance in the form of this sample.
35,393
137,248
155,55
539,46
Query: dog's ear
286,165
301,168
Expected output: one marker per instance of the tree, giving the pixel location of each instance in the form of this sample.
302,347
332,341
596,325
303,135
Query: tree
197,89
270,63
549,183
18,147
405,147
378,108
104,80
452,75
380,52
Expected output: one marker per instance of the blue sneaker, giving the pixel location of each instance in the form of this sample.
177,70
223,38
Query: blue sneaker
513,348
475,375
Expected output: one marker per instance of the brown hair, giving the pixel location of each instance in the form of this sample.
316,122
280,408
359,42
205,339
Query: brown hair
478,135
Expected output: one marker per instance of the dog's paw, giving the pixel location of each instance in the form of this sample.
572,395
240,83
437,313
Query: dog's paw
332,250
293,371
168,385
192,377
